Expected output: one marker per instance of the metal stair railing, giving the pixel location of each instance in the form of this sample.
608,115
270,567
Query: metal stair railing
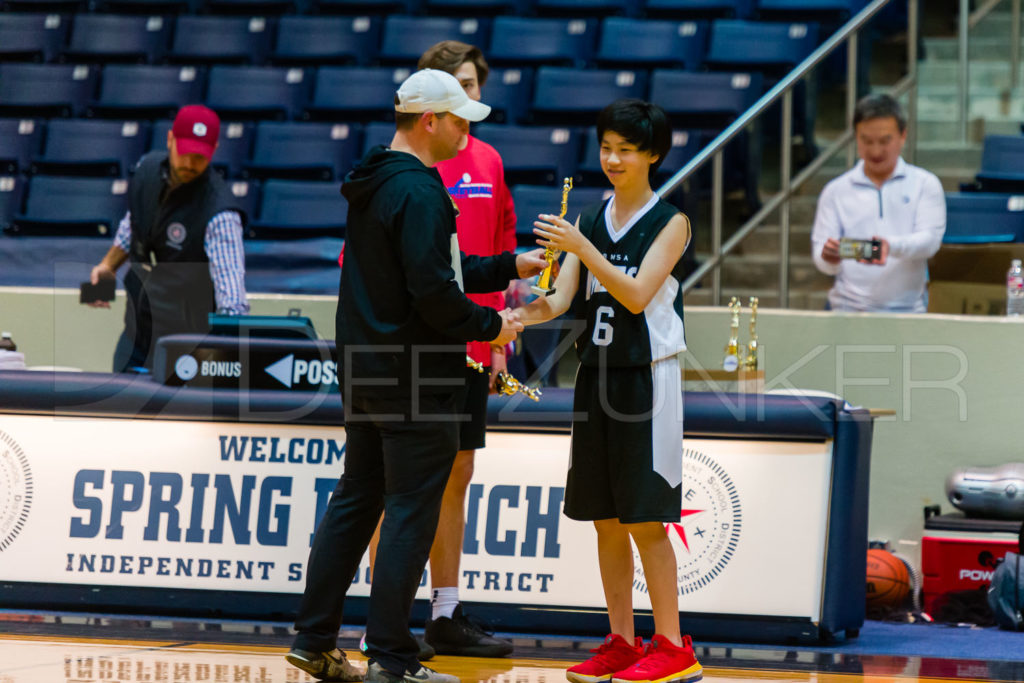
968,20
789,183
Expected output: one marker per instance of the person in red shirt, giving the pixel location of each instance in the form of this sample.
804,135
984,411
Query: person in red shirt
486,226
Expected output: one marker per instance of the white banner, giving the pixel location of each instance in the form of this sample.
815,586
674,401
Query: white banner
233,507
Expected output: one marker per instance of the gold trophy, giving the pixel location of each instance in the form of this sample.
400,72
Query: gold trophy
543,286
732,350
750,363
506,384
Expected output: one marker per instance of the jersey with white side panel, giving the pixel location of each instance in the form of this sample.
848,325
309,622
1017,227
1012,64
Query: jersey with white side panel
614,336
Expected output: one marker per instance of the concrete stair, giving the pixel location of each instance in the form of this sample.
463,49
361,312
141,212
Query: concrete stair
993,107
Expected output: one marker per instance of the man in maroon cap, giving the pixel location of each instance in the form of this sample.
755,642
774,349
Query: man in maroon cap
182,235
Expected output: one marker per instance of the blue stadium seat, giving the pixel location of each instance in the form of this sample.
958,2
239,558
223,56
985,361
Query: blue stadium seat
255,7
676,44
699,9
147,91
704,100
981,217
537,155
834,9
233,147
20,141
533,200
346,93
685,145
519,41
87,147
477,8
147,7
588,8
377,133
12,191
756,44
258,92
406,38
1002,164
327,40
46,89
375,7
711,101
294,209
247,194
31,37
569,96
220,39
72,206
509,92
110,37
773,48
304,151
65,7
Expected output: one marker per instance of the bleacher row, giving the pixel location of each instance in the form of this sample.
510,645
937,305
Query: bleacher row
990,208
741,9
313,156
369,40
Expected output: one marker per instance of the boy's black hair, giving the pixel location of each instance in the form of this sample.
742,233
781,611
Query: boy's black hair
644,124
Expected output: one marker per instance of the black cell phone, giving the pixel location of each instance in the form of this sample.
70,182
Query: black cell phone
104,291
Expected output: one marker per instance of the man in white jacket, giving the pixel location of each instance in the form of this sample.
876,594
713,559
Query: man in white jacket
886,199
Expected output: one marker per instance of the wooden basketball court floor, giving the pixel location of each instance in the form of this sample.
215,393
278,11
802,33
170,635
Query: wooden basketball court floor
86,649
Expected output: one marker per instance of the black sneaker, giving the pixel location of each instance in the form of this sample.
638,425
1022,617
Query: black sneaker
375,673
324,666
426,652
460,636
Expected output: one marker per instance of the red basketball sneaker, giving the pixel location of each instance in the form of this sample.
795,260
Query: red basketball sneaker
613,655
663,662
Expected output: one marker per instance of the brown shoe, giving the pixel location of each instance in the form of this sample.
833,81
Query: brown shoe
324,666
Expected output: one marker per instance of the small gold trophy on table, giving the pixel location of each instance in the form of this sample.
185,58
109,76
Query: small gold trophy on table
506,384
543,286
750,363
732,349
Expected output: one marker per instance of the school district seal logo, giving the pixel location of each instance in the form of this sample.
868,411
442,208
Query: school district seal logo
15,490
708,530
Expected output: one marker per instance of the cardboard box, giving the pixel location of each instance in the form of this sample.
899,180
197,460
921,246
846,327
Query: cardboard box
970,279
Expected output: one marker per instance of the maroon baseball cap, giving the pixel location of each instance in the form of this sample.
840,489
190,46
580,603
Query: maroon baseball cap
196,129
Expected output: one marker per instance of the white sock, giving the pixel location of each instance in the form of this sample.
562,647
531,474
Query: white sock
444,601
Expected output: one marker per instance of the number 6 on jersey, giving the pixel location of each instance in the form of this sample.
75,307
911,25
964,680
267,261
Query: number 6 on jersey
603,330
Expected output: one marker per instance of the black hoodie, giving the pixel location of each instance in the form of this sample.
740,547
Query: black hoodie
401,312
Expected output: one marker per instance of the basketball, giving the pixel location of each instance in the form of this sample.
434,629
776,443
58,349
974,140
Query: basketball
888,581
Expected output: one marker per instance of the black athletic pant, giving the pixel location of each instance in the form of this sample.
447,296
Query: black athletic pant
397,459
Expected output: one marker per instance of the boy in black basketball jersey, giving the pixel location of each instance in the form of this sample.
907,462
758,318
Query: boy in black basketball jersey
622,275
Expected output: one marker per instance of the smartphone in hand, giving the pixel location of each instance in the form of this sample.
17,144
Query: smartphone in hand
862,250
103,291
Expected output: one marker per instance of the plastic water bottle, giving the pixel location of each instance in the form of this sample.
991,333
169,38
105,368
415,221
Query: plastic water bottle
1015,290
6,343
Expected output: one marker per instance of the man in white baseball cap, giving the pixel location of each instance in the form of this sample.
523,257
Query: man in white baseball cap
438,91
402,326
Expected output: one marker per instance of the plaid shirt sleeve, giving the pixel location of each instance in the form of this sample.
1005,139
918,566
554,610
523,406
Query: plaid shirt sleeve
123,236
227,262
